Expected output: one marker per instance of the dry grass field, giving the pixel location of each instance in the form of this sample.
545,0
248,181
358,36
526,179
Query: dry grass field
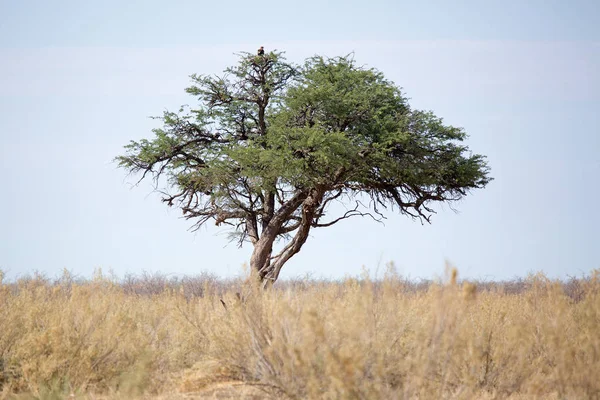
195,338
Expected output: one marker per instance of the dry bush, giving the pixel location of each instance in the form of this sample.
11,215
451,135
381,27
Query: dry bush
355,339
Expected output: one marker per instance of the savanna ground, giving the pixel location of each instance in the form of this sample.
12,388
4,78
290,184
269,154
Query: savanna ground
194,338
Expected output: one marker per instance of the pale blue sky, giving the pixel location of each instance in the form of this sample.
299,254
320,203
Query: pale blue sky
78,81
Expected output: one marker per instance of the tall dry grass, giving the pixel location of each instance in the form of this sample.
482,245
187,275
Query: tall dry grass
355,339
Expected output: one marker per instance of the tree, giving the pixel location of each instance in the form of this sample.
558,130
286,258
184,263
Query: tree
271,145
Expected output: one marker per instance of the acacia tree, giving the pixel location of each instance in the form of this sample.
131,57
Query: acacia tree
271,145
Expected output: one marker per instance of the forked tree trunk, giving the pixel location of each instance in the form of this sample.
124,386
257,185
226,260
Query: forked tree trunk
264,268
263,246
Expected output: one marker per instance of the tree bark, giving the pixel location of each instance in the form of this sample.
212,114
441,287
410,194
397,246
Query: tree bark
271,267
263,248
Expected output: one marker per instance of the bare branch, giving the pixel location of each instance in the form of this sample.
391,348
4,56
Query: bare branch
348,214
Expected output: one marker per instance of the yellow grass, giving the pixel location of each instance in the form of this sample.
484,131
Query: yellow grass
355,339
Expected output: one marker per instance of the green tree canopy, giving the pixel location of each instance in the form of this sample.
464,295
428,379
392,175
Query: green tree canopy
271,145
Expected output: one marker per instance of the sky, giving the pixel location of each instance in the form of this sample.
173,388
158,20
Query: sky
79,80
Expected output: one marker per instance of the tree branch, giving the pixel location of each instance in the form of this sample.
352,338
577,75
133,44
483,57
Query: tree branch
350,213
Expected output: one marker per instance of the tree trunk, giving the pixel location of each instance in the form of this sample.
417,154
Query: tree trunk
265,269
261,256
260,262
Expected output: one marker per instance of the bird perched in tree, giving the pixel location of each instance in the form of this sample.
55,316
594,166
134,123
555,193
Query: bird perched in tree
261,51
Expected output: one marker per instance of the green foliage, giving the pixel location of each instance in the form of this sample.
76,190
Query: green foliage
366,126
